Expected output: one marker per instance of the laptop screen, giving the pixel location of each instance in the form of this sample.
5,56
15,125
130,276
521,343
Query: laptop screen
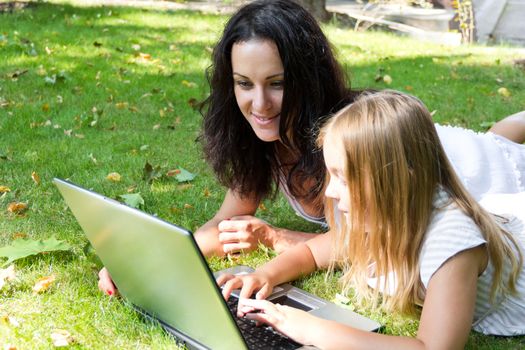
157,266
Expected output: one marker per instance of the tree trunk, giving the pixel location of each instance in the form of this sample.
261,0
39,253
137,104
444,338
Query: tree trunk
317,8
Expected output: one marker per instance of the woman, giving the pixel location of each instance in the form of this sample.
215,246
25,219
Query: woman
259,132
273,81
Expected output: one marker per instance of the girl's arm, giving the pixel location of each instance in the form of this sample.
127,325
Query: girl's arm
296,262
445,322
234,229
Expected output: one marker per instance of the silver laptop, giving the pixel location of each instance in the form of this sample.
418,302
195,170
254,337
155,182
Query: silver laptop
159,268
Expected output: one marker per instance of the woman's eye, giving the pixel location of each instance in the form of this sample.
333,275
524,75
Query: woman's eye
243,83
277,84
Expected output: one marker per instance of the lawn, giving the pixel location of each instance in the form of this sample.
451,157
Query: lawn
86,92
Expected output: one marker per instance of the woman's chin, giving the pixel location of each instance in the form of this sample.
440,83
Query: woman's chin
266,137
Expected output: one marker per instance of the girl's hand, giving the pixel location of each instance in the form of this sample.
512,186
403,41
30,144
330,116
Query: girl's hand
294,323
248,284
243,234
105,283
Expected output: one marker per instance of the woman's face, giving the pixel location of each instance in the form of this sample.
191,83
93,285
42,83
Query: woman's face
258,77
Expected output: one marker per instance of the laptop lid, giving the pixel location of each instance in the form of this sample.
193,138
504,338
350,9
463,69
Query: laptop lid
169,280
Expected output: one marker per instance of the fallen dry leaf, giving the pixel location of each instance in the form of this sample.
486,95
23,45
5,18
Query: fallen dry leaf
10,320
387,79
115,177
206,193
4,189
17,207
61,338
35,177
193,103
503,91
188,206
7,275
262,207
156,127
173,172
41,71
45,107
121,105
43,284
18,235
189,84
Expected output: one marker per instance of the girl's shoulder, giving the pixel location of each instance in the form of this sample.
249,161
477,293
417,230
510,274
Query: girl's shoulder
450,232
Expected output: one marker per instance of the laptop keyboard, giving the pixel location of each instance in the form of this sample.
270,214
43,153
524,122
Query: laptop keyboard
260,337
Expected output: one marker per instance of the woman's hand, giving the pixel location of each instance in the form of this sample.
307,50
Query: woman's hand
294,323
105,283
248,284
243,234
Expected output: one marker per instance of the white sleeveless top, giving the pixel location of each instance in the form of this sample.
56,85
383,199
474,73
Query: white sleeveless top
486,163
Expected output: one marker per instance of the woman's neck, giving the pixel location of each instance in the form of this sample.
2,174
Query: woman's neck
286,156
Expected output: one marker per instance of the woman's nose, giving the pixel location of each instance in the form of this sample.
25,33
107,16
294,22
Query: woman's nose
261,101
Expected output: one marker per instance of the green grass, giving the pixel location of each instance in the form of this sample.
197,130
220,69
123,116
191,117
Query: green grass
112,109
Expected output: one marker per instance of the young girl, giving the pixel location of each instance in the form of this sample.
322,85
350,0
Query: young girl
397,208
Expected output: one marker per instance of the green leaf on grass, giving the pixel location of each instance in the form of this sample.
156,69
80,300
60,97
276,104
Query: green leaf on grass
22,248
150,173
184,175
133,200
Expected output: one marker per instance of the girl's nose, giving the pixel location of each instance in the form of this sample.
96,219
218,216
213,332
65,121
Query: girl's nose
330,191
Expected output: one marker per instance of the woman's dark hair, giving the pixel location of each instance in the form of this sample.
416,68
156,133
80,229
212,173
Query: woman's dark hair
314,86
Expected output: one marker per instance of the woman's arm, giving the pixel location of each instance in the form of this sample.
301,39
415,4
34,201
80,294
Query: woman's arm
445,322
511,127
207,236
234,229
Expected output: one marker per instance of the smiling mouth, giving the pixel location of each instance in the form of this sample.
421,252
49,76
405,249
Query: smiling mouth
263,120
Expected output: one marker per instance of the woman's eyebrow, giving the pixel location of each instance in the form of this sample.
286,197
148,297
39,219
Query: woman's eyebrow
274,75
267,78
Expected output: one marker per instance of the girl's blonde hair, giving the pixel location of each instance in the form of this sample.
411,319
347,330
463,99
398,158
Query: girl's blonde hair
394,162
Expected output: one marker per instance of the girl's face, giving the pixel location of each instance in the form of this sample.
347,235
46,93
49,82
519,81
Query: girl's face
258,77
337,186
